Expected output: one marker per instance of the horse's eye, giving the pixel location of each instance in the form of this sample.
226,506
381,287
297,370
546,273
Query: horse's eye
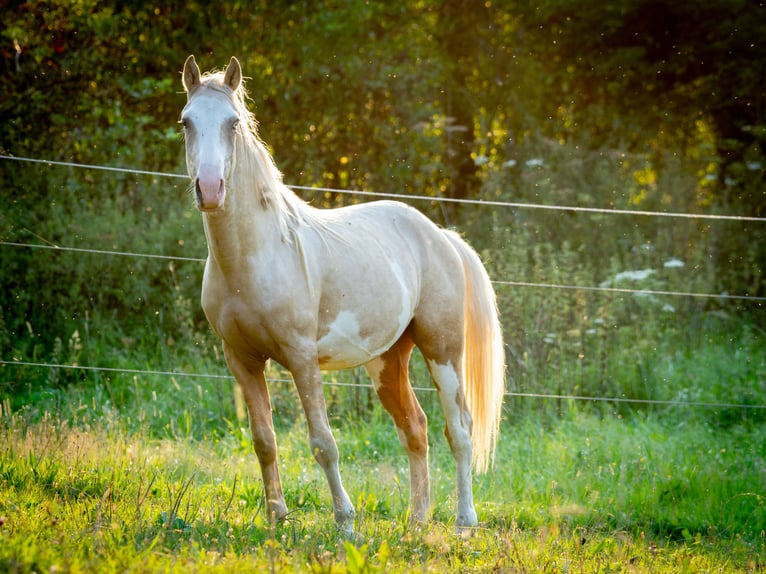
235,124
184,123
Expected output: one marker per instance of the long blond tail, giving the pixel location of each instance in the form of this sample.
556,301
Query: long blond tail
483,356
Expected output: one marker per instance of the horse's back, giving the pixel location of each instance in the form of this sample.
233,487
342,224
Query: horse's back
385,241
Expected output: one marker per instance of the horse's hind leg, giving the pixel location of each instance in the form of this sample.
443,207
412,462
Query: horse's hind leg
253,384
444,356
390,376
448,379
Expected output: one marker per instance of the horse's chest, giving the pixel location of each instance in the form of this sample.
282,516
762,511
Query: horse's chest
232,322
236,316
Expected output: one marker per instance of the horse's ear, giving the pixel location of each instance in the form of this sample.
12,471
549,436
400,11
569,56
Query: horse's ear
191,75
233,75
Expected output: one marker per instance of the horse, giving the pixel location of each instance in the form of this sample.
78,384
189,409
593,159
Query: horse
328,289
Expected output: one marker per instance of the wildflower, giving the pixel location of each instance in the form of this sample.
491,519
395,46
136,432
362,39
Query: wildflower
638,275
673,263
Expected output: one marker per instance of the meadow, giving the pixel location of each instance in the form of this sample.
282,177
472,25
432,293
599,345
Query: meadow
145,473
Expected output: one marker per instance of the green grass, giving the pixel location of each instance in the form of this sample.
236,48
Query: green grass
583,493
109,471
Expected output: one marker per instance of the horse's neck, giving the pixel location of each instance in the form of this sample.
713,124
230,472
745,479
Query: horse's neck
251,220
238,231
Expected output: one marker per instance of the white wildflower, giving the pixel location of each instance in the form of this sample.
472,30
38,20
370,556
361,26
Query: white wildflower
673,263
637,275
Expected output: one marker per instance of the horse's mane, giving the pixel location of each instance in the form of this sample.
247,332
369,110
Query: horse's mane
254,167
254,171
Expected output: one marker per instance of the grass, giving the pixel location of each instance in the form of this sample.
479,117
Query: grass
583,493
139,471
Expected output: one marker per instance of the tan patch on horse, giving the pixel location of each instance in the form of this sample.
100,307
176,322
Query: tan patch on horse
397,397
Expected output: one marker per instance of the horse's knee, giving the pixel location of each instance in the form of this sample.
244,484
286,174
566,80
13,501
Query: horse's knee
324,449
415,435
264,445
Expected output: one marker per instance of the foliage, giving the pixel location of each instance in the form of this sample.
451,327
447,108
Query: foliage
650,75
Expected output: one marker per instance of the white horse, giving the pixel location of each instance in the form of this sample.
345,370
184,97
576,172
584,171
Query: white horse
332,289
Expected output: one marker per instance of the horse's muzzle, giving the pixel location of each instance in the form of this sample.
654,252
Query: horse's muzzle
209,189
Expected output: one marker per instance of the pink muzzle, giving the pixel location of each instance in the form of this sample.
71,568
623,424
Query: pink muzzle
209,188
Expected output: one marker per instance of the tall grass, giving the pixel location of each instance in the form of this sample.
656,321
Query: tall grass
581,490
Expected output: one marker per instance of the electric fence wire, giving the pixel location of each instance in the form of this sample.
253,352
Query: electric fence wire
644,292
699,404
480,202
655,402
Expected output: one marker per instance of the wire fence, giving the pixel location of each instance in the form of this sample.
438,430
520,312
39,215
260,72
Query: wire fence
505,204
623,290
361,193
501,282
547,396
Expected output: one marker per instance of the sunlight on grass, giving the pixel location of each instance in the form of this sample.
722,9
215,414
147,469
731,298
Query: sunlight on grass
580,494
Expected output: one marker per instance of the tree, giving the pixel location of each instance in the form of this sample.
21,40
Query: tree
660,67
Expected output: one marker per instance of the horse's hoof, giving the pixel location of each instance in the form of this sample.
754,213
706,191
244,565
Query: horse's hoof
277,512
466,520
347,529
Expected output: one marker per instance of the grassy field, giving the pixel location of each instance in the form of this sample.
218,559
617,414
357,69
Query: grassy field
134,469
580,492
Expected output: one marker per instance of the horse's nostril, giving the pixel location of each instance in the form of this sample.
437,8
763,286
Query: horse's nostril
209,193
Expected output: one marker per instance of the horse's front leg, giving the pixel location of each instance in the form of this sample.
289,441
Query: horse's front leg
251,380
308,381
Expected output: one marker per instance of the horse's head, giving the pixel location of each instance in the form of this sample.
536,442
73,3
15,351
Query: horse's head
210,120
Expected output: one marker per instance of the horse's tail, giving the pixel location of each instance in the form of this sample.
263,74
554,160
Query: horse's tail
483,355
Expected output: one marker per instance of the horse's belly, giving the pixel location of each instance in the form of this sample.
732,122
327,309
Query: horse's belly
348,344
365,310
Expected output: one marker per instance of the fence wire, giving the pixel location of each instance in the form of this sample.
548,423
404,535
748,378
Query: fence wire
490,203
510,394
510,283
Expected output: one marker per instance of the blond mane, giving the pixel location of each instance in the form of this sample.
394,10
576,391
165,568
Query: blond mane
256,166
